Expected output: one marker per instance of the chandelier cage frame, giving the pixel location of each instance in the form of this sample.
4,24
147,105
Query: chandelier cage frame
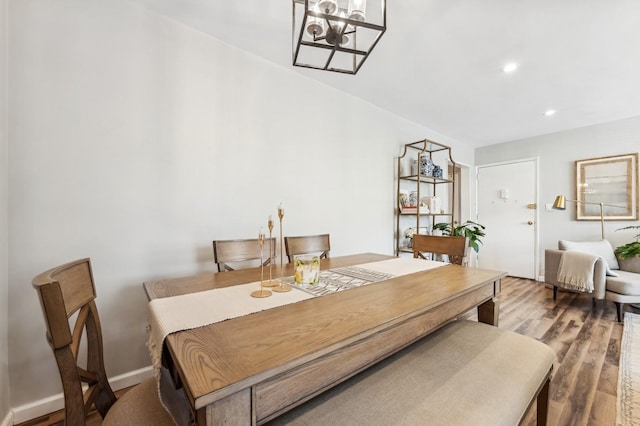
352,57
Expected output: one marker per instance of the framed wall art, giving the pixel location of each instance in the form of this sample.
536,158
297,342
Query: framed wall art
612,181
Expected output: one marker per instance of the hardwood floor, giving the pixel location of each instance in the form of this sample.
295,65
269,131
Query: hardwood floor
586,339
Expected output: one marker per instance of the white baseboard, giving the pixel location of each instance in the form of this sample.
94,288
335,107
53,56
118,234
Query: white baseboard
8,419
54,403
541,278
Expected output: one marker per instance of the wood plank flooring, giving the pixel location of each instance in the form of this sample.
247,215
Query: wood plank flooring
586,339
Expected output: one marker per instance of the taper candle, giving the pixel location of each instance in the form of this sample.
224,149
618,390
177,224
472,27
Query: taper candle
282,287
271,282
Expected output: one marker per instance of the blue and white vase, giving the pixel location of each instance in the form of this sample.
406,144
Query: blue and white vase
426,165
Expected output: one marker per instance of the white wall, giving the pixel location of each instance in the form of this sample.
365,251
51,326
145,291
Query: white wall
136,141
557,153
4,221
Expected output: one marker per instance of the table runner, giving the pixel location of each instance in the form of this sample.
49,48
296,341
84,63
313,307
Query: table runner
339,279
348,277
172,314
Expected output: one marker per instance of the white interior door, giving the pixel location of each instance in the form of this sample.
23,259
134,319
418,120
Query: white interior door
507,195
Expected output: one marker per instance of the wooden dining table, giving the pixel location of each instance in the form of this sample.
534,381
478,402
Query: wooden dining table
250,369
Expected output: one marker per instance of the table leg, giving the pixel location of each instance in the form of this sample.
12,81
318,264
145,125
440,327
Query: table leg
489,311
236,409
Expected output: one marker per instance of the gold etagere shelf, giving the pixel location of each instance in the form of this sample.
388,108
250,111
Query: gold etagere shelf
412,174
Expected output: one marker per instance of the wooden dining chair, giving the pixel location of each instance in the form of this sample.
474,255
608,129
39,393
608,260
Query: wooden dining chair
307,244
64,291
454,247
241,253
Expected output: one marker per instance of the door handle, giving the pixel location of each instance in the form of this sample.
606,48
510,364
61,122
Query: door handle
530,222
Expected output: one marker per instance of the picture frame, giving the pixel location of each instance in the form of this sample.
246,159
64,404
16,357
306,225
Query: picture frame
612,181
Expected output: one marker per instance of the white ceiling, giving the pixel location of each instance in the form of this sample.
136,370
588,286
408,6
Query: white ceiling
439,63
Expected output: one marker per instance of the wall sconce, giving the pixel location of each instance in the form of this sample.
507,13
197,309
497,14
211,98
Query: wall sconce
336,35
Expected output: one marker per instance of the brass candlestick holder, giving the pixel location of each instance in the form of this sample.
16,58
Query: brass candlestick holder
271,282
282,287
262,292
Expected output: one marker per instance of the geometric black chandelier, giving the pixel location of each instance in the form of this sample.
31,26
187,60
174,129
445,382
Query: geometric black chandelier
336,35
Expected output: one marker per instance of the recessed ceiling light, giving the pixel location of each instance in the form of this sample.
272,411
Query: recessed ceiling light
550,112
510,67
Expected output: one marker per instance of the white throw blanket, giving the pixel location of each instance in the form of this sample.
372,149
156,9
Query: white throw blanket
576,270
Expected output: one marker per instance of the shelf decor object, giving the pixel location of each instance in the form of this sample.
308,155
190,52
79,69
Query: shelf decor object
262,292
560,204
336,35
282,287
608,182
271,282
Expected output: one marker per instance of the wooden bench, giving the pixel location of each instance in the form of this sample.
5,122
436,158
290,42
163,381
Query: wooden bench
466,373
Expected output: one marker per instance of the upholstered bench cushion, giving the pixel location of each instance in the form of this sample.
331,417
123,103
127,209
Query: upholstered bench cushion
466,373
627,283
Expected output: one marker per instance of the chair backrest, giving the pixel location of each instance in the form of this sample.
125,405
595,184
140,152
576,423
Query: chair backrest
63,291
242,251
455,247
307,244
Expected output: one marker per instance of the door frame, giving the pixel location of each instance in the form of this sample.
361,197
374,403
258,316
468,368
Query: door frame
536,236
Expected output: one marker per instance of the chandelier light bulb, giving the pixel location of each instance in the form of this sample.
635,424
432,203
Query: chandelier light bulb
315,26
329,7
332,36
334,32
357,10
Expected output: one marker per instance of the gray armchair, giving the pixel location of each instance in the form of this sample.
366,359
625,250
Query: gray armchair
614,279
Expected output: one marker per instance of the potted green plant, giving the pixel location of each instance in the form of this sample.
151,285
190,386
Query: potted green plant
631,249
472,230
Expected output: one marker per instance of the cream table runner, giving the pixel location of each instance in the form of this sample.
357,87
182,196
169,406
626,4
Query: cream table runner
401,266
172,314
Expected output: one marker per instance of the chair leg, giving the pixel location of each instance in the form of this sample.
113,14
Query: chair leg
555,292
619,309
543,404
593,302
